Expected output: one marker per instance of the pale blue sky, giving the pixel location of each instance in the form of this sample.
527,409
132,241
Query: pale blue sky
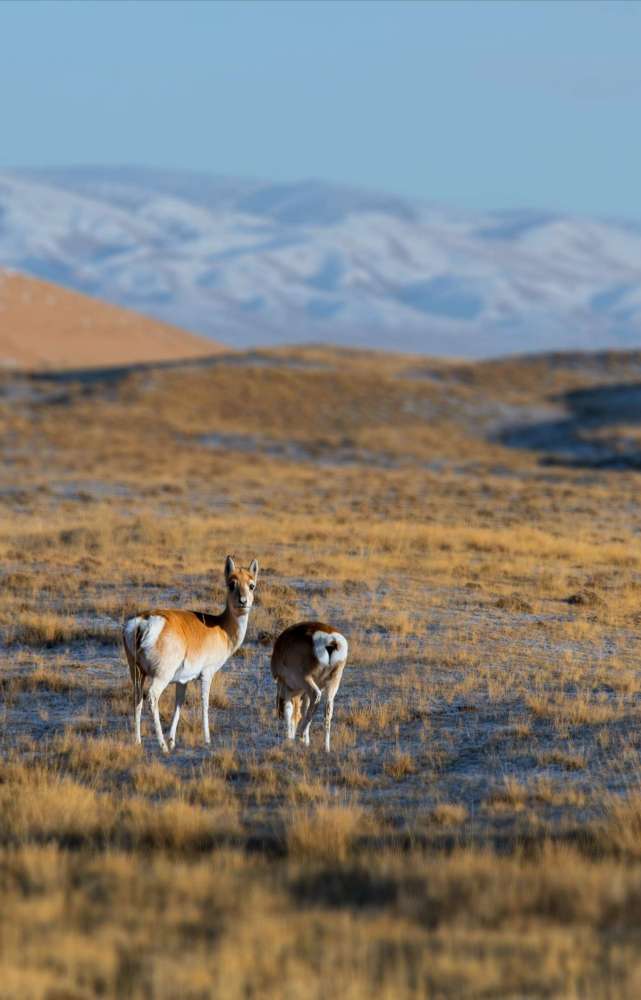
482,105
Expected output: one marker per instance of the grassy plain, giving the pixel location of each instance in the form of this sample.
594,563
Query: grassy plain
473,530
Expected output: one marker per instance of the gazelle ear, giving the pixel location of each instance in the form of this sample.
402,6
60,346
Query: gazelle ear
229,567
253,568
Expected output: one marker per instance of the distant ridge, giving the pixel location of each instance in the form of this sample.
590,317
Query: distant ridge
45,326
257,263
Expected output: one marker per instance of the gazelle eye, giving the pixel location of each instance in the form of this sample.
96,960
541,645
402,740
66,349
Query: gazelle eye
252,586
232,584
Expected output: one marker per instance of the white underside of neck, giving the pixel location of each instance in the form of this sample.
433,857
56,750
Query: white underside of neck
241,625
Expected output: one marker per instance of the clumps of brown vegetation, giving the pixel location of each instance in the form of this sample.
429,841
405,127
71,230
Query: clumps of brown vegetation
46,629
513,602
480,706
449,813
585,599
324,833
399,765
388,925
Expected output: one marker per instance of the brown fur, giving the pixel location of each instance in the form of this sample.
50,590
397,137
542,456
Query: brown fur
188,645
297,638
297,702
303,674
197,628
294,632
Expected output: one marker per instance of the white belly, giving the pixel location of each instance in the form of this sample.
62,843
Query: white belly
192,669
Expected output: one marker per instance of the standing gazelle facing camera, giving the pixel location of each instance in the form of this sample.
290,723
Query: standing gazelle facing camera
175,647
308,659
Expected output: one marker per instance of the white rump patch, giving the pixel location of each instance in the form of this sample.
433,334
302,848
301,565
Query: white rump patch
153,626
322,640
340,653
148,631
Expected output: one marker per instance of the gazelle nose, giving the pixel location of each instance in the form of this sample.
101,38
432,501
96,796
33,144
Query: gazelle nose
243,600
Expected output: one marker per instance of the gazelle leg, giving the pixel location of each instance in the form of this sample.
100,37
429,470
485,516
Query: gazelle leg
304,710
138,715
156,688
181,691
288,709
329,711
332,688
205,687
137,681
314,695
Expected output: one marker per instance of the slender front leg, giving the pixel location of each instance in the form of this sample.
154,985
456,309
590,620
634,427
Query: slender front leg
156,688
205,687
181,691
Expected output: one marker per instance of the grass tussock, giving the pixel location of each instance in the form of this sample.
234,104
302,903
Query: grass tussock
389,926
44,630
491,604
399,765
323,833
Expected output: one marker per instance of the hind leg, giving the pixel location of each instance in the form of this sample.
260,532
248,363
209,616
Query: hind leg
332,688
156,688
181,691
288,713
313,696
138,700
137,681
303,709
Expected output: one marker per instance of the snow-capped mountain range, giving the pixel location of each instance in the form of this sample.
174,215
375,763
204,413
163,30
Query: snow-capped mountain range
252,263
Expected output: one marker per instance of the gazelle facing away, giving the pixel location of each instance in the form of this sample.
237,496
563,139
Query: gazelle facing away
308,658
175,647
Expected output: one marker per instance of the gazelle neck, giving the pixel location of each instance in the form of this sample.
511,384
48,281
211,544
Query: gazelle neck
235,627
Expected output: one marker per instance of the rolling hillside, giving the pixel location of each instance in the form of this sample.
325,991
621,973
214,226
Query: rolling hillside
255,263
45,326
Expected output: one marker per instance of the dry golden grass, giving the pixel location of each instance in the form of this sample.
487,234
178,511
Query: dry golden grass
324,833
449,813
447,928
492,609
399,765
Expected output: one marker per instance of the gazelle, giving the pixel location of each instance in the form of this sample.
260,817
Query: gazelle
308,658
176,647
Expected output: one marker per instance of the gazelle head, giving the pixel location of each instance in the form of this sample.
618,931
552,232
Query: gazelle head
241,584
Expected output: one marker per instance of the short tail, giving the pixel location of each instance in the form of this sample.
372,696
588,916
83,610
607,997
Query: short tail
337,648
330,648
131,635
137,673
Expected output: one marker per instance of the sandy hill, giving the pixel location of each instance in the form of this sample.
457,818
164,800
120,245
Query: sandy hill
45,326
